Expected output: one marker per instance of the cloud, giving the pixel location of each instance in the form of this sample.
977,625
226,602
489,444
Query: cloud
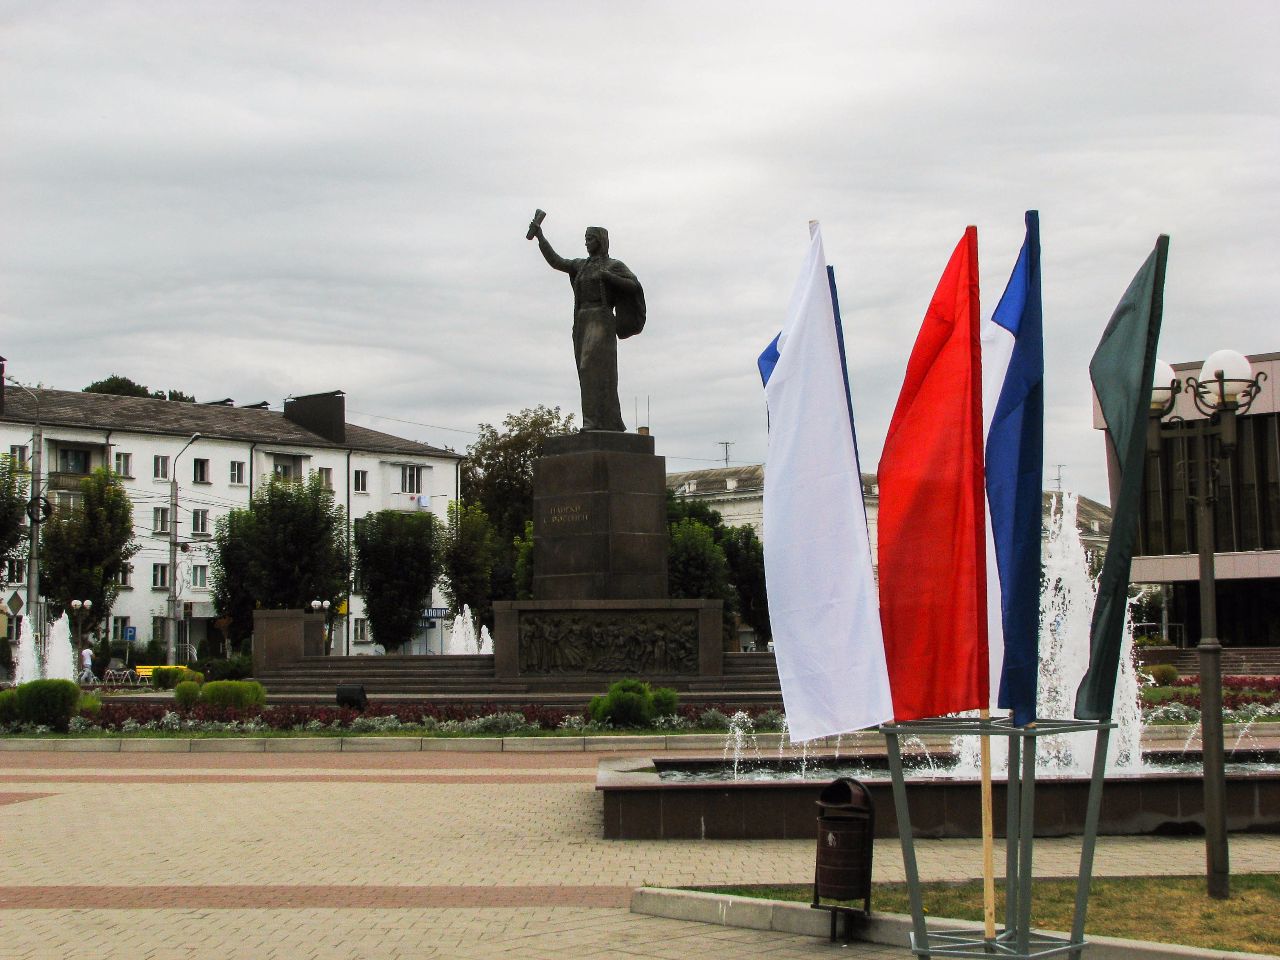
258,201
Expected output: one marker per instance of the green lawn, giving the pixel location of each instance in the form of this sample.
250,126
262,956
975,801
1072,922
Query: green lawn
1163,909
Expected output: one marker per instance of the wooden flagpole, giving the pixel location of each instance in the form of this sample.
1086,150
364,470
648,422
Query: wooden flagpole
988,835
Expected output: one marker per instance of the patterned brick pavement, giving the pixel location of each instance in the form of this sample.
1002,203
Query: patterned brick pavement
400,854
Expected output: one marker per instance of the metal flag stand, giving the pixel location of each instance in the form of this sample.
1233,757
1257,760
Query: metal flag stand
1016,940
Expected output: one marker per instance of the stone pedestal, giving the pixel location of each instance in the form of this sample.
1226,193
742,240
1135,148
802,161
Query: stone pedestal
600,606
285,636
599,519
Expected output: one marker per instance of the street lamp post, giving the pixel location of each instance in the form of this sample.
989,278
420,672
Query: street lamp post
318,606
35,507
1225,389
172,633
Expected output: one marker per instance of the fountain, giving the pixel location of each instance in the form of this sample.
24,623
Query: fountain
60,657
639,800
28,665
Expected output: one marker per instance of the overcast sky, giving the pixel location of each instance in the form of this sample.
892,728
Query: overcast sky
259,200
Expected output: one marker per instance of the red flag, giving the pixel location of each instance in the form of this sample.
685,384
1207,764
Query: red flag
933,584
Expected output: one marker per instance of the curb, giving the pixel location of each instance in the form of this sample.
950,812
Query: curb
888,929
394,744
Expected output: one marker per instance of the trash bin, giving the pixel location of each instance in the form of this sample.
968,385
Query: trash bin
842,870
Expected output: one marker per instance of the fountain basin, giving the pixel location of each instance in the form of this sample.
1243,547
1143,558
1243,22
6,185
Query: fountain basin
640,805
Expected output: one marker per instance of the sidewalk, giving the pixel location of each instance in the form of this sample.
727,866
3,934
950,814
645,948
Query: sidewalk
365,855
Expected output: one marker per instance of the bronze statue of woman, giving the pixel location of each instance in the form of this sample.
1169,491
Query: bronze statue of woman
608,305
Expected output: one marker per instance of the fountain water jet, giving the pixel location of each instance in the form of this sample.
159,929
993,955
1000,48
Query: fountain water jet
1067,596
60,658
28,665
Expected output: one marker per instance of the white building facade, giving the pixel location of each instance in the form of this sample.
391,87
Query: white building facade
148,444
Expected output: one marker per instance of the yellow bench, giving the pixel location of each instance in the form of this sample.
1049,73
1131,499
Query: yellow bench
144,672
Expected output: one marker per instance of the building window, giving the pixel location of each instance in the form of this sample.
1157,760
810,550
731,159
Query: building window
71,460
18,455
124,576
410,479
118,627
15,571
160,519
160,576
124,464
237,472
200,576
200,522
361,482
199,470
160,467
326,477
360,630
159,629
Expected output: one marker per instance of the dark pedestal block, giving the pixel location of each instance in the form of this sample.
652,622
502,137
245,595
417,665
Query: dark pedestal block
285,636
599,519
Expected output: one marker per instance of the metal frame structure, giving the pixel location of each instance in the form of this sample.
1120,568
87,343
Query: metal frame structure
1016,941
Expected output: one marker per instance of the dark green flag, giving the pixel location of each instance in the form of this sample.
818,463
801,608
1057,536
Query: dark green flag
1121,370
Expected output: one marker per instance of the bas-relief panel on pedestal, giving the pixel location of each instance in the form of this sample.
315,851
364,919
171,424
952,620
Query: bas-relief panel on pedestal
608,642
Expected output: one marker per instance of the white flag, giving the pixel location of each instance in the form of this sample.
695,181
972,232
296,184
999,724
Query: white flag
823,605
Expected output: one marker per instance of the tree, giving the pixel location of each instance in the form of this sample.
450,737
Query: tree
470,550
397,559
290,549
233,595
745,555
84,550
524,563
120,386
697,569
497,474
13,505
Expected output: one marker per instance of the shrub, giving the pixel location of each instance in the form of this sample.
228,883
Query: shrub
237,694
234,668
8,707
89,705
48,703
770,720
713,719
665,702
166,678
629,703
185,694
1164,674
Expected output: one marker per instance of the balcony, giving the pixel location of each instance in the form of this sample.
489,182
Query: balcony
67,482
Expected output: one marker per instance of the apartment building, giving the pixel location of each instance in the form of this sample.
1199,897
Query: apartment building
148,444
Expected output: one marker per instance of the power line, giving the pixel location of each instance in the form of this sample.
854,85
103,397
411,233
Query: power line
416,423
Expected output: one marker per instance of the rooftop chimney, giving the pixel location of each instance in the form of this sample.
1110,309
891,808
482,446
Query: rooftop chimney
321,413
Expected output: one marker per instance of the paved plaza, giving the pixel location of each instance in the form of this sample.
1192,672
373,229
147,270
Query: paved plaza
372,855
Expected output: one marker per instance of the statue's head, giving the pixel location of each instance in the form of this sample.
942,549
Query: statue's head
597,241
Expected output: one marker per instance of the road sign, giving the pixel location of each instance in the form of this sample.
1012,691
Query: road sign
130,634
15,604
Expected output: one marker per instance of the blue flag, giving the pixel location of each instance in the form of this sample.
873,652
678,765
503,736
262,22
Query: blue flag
1014,397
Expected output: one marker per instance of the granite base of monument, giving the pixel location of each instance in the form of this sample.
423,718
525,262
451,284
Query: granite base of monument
599,518
600,604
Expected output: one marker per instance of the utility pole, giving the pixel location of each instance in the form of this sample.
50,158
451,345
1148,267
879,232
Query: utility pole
172,633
